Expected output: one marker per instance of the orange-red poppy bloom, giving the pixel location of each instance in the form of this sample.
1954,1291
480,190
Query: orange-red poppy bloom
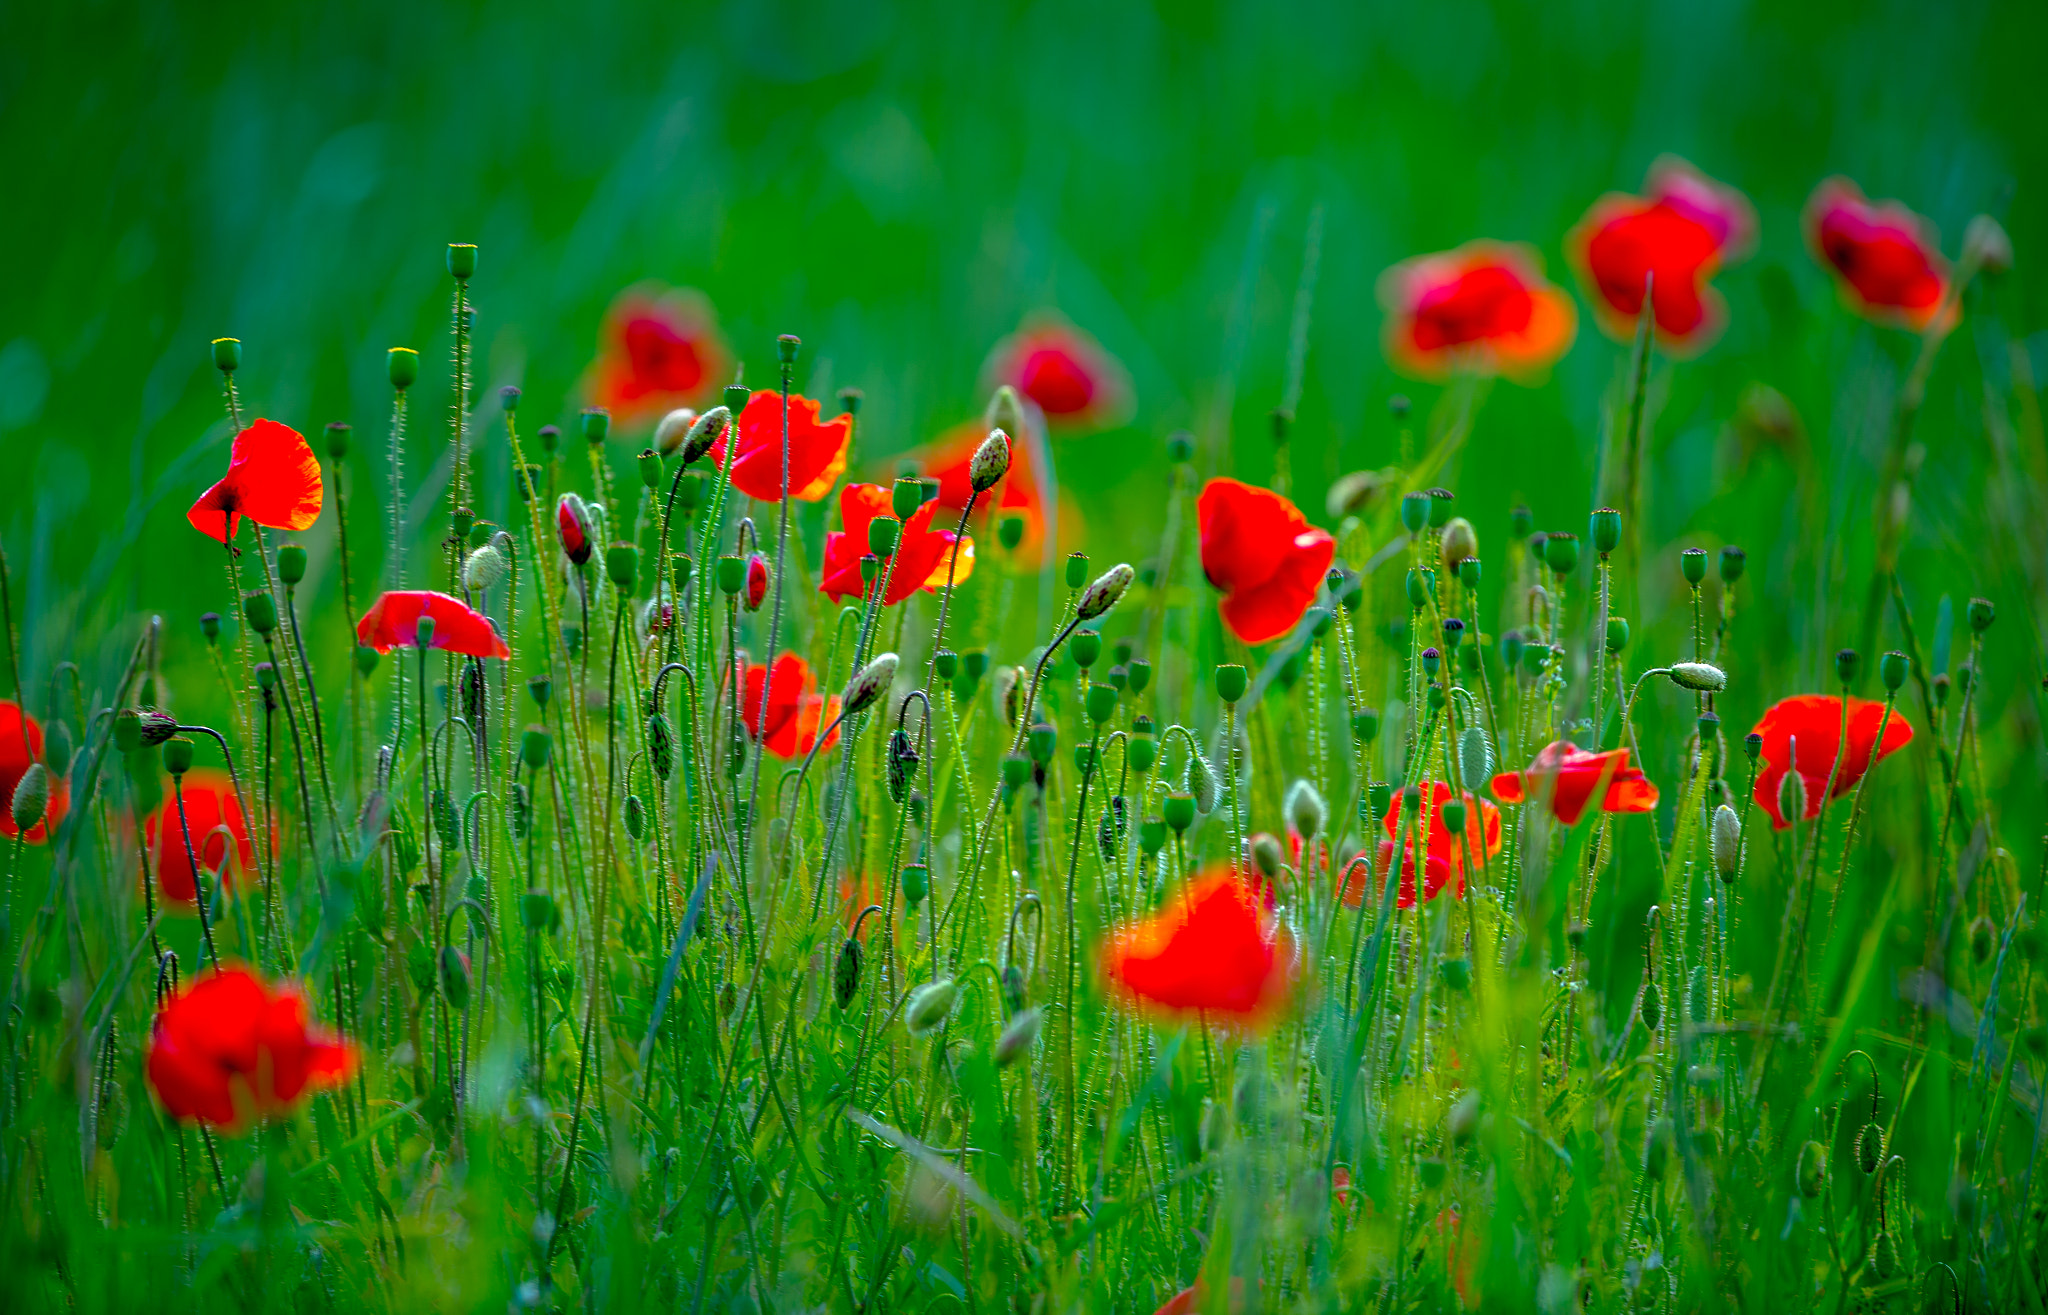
210,807
273,478
231,1049
15,757
1212,948
1683,229
1066,373
817,448
1018,493
1483,308
659,348
1570,775
796,710
1263,554
1886,260
1443,855
393,621
1815,722
923,555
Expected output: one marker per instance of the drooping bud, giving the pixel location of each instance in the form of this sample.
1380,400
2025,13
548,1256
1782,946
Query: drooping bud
455,977
1203,783
1266,855
1104,594
846,974
661,745
1703,677
484,569
902,762
929,1006
868,684
572,528
1017,1037
1653,1007
636,817
1811,1171
757,582
1792,797
1306,812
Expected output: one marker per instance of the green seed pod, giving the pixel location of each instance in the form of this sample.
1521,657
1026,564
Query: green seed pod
1016,771
1606,531
403,366
454,977
1981,614
260,611
1657,1150
1848,664
648,463
177,761
1084,758
622,566
522,810
227,355
1010,532
1101,703
1414,511
1018,1036
846,974
1418,588
1379,799
1696,1001
1811,1171
1141,751
1475,757
1884,1256
1085,647
929,1006
366,660
636,817
1365,724
1652,1007
1869,1148
1692,564
917,882
1152,835
1077,569
1231,682
1041,740
462,261
291,563
1139,672
884,532
534,746
1178,811
1892,669
1617,633
537,911
31,797
945,663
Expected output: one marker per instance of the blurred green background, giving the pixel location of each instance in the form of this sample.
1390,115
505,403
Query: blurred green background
899,185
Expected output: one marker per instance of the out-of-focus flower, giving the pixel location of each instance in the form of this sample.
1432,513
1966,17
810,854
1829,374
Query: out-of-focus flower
17,751
393,622
923,554
795,711
210,805
1261,552
1066,373
659,349
232,1049
1211,947
1443,855
1683,229
1886,260
273,478
1483,308
1815,721
817,448
1570,774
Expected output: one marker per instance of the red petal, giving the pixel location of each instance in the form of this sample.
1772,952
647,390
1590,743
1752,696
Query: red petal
1206,949
393,622
817,449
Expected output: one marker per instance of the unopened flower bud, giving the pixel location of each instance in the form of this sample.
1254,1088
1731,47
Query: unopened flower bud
868,684
1703,677
1266,854
1987,246
1203,783
1306,812
929,1006
1104,594
991,461
485,568
31,797
1017,1036
1726,841
1792,797
1458,543
1475,757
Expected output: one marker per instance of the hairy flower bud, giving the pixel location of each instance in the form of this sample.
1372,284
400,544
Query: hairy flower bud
1203,783
31,797
572,528
669,434
1104,594
868,684
1700,676
991,461
846,974
484,569
1475,757
1266,855
1017,1037
929,1006
1726,840
1306,812
1457,543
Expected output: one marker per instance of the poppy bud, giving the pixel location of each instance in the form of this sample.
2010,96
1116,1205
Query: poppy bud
1231,683
1141,751
1725,838
403,365
1085,647
1104,594
1017,1037
883,533
1265,853
1180,446
455,977
1792,796
991,461
661,745
1306,812
929,1006
484,569
1414,511
1418,589
636,817
1733,559
1652,1007
1869,1148
1463,1120
1203,783
868,684
1178,811
1987,246
1458,543
902,761
1016,770
32,797
1981,614
1475,757
669,434
1811,1171
1521,522
260,611
1606,531
462,261
177,756
846,973
1699,676
1040,741
1561,553
1101,703
1617,633
1846,664
572,528
597,424
1692,564
1893,668
227,355
155,727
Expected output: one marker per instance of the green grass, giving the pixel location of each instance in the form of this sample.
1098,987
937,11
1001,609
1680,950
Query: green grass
899,187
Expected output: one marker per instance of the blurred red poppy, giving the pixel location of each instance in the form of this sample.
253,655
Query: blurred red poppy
1076,384
659,348
795,710
1211,948
1683,229
946,459
273,478
15,757
923,554
1189,1300
1886,260
393,621
817,448
231,1049
1571,774
1263,554
1443,856
210,805
1815,721
1483,308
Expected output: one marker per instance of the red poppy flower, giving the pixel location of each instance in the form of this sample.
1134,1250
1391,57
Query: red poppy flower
273,478
1684,229
1483,308
15,757
923,554
817,448
795,712
1571,774
1263,554
572,528
231,1049
1886,260
659,348
1188,1301
1018,493
1815,721
1443,856
1210,948
1076,384
210,805
393,621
